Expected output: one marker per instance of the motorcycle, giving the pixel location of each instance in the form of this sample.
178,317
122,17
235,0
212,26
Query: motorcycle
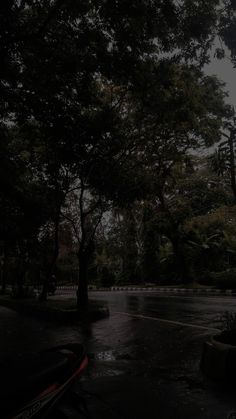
33,386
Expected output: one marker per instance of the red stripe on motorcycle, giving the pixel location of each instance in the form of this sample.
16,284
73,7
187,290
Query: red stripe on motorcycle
48,390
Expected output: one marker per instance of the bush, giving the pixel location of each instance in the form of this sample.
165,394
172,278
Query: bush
27,292
228,320
224,279
206,278
107,278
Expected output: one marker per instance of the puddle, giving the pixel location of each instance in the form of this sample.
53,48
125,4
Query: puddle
103,356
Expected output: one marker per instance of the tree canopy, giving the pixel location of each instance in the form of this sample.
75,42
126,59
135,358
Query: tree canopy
105,97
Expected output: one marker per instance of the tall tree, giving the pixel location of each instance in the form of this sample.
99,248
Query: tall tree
57,56
222,161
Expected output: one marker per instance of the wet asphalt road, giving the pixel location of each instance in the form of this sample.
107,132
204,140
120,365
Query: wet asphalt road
149,353
144,358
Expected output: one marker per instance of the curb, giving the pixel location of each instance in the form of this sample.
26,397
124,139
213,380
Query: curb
164,290
52,314
195,291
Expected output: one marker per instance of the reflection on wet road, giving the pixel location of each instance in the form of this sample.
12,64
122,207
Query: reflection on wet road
19,333
147,340
162,356
205,311
130,334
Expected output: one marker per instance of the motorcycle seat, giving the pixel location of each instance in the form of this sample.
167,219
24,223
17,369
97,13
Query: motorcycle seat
24,378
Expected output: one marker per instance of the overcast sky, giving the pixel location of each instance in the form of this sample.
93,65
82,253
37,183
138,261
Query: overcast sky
224,70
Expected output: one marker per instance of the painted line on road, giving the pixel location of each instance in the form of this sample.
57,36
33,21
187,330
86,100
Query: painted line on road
158,319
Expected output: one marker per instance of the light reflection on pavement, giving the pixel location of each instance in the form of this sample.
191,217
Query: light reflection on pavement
159,360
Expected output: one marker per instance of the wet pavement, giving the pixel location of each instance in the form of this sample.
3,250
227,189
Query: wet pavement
144,358
155,371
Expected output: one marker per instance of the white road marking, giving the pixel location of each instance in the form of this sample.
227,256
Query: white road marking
158,319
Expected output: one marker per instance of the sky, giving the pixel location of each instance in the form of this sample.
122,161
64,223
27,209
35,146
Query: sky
224,70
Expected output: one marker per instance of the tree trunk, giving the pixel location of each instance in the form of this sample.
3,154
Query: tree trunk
232,163
20,284
50,270
82,290
4,270
21,274
180,260
22,268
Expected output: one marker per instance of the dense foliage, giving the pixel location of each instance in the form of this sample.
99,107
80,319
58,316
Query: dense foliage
102,104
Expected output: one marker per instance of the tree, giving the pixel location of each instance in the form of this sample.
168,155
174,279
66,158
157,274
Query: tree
84,210
226,29
24,205
223,160
57,57
151,238
211,238
174,124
